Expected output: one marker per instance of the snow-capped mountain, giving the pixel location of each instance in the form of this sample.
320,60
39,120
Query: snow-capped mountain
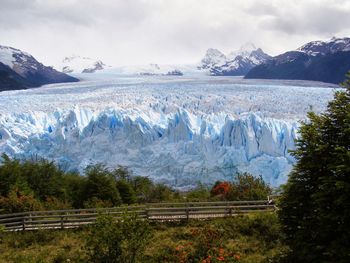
177,131
78,64
212,58
331,46
326,61
20,70
236,63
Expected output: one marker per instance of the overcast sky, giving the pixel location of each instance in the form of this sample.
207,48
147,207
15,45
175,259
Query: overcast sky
165,31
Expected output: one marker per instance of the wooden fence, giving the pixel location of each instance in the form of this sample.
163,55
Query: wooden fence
61,219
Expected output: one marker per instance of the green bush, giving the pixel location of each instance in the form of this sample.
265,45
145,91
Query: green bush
104,242
136,234
114,241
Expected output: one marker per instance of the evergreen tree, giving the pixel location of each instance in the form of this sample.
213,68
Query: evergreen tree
315,205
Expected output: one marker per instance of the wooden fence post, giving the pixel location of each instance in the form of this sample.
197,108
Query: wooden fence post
187,212
146,212
23,223
62,223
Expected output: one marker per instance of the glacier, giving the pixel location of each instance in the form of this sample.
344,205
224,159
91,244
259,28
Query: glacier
175,130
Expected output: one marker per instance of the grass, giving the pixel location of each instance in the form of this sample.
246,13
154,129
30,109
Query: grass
248,238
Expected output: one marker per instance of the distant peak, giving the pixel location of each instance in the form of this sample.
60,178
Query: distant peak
248,47
214,51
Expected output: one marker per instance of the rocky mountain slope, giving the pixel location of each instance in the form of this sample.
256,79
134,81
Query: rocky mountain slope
326,61
20,70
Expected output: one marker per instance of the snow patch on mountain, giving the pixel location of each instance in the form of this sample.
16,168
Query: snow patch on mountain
331,46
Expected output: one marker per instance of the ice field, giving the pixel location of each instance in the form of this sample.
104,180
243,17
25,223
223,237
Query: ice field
176,130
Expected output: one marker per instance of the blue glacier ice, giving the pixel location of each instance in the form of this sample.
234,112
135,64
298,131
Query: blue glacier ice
179,131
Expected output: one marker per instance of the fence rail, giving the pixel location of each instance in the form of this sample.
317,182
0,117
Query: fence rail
72,218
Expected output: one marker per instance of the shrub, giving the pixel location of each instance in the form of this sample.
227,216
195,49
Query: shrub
104,241
136,234
244,187
221,190
249,187
17,201
114,241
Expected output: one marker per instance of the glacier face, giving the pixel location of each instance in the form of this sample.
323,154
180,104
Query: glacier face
176,130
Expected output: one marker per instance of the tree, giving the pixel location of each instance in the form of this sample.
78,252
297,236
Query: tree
100,184
249,187
126,192
143,187
315,210
244,187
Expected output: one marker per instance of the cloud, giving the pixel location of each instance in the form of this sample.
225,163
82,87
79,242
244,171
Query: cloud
165,31
320,17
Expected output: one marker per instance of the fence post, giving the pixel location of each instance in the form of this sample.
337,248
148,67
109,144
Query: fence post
187,212
62,223
146,212
23,223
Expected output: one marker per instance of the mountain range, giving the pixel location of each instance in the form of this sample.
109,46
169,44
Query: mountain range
237,63
20,70
326,61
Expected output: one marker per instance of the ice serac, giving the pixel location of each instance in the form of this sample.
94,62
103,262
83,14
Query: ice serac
180,148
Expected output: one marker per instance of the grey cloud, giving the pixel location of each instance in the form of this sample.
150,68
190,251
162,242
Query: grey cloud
310,18
20,13
165,31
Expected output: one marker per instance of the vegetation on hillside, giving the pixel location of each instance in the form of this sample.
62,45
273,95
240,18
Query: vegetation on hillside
42,185
246,238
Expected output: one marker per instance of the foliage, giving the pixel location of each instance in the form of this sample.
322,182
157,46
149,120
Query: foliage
40,184
100,184
244,187
104,241
112,240
136,234
143,188
246,238
18,201
221,189
314,207
126,192
160,193
200,193
249,187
